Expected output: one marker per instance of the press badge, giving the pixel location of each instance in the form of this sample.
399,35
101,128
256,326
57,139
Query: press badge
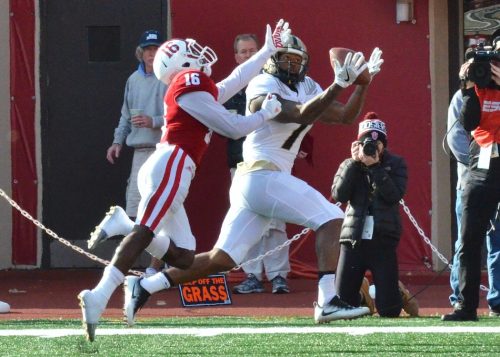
368,228
484,157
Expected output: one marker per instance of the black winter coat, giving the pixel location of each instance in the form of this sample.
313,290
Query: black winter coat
374,190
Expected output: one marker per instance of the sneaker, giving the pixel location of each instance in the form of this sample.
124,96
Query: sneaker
366,299
115,223
92,310
460,315
410,303
337,309
249,286
135,298
495,311
280,285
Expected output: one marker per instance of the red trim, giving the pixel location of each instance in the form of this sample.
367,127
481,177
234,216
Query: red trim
172,193
22,115
159,191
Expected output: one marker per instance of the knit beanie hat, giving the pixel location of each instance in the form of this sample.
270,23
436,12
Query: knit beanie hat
373,128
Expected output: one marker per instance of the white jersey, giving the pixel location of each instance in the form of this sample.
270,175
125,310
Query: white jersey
277,142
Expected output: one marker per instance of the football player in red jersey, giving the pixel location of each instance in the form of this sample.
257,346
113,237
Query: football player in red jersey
193,110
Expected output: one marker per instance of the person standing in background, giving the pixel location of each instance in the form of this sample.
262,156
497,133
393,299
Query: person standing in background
479,114
458,140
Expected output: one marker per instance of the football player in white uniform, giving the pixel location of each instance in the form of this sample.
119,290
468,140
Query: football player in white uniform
193,111
263,187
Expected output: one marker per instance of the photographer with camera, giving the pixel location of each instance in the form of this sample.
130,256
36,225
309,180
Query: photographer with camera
372,182
480,114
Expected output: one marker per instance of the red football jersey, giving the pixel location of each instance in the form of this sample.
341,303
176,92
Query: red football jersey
182,129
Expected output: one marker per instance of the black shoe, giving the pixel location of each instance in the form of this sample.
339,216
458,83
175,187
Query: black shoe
135,298
460,315
495,311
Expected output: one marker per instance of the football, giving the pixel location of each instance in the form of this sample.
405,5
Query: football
339,53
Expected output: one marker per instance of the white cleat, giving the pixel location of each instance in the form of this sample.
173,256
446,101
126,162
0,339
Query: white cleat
115,223
92,310
337,309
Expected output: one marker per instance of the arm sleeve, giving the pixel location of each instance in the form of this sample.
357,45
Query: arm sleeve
158,121
203,107
124,125
457,138
241,75
470,113
343,180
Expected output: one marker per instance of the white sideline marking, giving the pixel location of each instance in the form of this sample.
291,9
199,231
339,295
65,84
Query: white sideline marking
209,331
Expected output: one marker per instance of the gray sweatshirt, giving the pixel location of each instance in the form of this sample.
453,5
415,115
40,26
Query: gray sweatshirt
458,139
142,91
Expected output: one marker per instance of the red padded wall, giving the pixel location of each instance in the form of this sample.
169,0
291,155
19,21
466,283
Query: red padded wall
400,94
22,118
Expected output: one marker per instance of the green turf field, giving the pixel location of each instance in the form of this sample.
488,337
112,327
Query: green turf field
227,336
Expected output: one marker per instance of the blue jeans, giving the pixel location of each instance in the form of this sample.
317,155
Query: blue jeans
492,261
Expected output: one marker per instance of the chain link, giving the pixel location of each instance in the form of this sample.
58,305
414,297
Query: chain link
260,257
56,237
279,247
428,241
274,250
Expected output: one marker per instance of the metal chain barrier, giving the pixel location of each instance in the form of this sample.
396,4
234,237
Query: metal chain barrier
55,236
274,250
260,257
428,241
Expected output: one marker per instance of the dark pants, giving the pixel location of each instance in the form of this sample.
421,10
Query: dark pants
480,200
381,259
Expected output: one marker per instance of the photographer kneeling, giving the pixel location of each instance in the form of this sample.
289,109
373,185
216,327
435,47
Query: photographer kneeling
480,114
372,181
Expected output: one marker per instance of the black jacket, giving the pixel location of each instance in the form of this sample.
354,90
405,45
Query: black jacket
374,190
234,147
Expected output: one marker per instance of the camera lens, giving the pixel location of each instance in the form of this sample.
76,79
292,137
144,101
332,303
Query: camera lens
369,147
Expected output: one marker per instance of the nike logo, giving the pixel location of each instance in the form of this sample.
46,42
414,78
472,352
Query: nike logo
326,314
347,79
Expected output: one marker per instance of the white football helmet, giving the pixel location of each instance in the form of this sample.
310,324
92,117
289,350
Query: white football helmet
294,45
176,55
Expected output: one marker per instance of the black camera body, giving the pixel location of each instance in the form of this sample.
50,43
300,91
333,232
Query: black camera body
480,70
369,147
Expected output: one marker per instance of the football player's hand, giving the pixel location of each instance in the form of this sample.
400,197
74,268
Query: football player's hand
280,35
271,106
346,74
375,62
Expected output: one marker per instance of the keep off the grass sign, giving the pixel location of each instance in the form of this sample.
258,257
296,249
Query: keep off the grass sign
208,291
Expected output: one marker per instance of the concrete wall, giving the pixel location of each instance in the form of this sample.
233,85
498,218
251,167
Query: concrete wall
441,220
